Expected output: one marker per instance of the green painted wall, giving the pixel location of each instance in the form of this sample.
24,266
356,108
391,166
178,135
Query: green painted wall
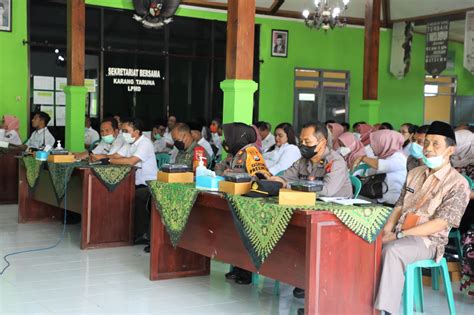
340,49
14,80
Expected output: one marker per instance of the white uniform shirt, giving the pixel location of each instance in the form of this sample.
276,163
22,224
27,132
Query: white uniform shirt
217,141
268,142
12,137
109,149
160,146
40,138
395,166
90,136
282,158
142,149
207,146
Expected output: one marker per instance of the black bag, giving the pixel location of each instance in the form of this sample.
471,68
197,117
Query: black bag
374,186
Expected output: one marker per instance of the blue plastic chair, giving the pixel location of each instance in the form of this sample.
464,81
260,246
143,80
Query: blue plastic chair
161,159
413,288
363,167
356,184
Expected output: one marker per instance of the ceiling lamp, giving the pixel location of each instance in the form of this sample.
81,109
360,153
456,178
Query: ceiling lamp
324,16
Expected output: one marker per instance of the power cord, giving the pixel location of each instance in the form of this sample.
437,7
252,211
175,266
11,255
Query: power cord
45,248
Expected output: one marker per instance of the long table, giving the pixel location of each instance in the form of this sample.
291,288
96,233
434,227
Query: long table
339,270
106,217
9,176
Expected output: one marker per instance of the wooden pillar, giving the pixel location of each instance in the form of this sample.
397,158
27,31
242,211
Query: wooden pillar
75,91
239,87
371,49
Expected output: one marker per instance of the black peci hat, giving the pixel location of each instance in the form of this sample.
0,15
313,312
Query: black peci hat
442,129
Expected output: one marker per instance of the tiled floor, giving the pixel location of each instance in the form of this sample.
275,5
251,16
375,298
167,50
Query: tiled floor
66,280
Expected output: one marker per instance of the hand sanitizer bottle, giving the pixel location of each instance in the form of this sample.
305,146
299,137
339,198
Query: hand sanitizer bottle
58,145
201,170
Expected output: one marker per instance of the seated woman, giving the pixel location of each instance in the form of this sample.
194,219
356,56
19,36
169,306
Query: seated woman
408,132
351,148
10,124
335,130
390,160
244,156
285,152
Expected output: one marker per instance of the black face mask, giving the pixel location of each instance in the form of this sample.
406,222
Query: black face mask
308,152
179,145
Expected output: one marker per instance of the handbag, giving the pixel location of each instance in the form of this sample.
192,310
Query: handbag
373,186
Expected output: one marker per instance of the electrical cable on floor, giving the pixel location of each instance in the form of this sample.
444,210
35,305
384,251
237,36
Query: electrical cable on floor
45,248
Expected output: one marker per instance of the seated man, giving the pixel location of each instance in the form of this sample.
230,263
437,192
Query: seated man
159,142
415,158
111,142
138,151
318,162
433,201
265,131
188,149
91,135
196,132
41,137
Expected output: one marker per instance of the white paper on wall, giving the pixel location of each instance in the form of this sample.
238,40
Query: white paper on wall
43,97
43,83
469,42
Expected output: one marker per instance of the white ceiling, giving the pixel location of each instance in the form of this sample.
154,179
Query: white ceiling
399,10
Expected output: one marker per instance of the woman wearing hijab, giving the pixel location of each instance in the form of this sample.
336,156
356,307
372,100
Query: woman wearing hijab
336,130
365,131
390,160
351,148
9,130
244,156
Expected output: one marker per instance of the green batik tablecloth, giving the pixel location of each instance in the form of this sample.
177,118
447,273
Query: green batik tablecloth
111,175
174,202
60,175
33,170
261,222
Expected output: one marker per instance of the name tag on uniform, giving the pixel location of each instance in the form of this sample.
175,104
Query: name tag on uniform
411,190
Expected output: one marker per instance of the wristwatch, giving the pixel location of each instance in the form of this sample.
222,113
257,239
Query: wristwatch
400,235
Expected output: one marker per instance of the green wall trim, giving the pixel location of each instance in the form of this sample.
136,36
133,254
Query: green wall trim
75,117
238,100
371,111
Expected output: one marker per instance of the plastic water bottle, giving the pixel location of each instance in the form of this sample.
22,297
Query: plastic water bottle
201,170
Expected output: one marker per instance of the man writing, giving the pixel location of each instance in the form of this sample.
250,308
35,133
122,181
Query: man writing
433,201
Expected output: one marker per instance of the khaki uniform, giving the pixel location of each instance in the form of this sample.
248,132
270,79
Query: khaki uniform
332,170
186,157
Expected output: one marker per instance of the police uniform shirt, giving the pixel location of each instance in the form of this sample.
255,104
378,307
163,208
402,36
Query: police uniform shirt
332,170
90,136
40,138
142,148
109,149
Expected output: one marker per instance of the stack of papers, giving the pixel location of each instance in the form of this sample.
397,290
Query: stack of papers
344,201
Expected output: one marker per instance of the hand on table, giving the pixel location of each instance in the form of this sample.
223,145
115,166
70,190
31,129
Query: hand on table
96,157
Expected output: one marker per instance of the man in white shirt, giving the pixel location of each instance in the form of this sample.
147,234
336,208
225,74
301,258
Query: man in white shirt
138,151
111,142
167,135
90,135
41,137
268,140
159,142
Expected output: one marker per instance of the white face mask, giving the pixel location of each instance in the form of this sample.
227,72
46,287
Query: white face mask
128,138
344,151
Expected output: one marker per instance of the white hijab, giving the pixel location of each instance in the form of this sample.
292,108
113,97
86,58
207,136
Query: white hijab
464,154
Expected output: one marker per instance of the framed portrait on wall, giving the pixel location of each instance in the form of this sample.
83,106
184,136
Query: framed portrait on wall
6,15
279,43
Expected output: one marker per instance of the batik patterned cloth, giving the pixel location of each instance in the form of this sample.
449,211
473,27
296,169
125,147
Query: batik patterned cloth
60,175
174,202
33,170
111,175
467,285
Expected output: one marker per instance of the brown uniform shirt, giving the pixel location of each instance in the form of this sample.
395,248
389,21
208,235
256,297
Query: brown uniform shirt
332,170
443,195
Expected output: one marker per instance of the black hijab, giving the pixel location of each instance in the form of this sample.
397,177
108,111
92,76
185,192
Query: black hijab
237,136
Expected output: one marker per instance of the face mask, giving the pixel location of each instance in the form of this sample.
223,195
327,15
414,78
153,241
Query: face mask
357,135
416,150
108,139
433,162
308,152
179,145
157,136
213,129
128,138
344,151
